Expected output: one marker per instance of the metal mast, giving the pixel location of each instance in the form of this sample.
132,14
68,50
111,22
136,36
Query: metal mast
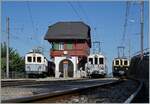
7,54
126,22
121,50
129,49
142,26
96,47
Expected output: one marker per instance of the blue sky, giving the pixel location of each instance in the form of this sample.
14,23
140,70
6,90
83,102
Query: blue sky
29,22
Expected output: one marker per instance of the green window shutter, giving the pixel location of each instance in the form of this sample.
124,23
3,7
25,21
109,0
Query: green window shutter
69,45
56,46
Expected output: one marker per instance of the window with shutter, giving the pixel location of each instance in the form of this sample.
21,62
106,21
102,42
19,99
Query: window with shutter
55,46
69,45
58,46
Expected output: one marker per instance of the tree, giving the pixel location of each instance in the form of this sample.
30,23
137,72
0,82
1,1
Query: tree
16,62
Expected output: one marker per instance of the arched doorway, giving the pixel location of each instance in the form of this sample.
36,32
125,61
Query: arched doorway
66,68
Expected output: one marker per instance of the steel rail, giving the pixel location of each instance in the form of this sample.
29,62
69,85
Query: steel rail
28,82
34,81
133,95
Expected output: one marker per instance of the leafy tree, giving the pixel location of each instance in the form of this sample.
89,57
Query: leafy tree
16,62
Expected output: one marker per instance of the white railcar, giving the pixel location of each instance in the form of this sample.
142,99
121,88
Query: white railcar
96,65
35,63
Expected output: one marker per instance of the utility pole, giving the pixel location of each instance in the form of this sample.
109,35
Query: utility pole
142,27
7,55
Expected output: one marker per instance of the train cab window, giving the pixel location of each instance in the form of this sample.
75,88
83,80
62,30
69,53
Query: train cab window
101,60
125,62
91,60
29,59
39,59
117,62
33,59
96,60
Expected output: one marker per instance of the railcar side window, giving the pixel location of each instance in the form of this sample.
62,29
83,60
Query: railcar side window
125,62
117,62
101,60
91,60
95,60
39,59
29,59
33,59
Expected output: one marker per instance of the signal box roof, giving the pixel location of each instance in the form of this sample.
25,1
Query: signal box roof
68,31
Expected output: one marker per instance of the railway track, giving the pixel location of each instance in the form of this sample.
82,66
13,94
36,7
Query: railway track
118,91
8,83
16,82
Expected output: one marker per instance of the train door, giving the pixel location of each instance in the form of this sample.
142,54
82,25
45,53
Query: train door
66,68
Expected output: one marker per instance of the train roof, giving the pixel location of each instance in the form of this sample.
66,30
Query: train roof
120,58
99,55
34,53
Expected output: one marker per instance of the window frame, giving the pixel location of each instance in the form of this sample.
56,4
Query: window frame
116,62
61,46
34,59
126,62
91,60
69,45
40,59
95,60
28,58
101,61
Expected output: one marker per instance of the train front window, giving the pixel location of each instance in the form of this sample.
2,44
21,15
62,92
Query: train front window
117,62
120,62
39,59
91,60
125,62
101,60
95,60
29,59
33,59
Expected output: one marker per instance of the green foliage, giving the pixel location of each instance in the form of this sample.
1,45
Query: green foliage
16,62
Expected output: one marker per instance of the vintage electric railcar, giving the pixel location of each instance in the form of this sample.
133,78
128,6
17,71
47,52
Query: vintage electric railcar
96,65
120,66
37,65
